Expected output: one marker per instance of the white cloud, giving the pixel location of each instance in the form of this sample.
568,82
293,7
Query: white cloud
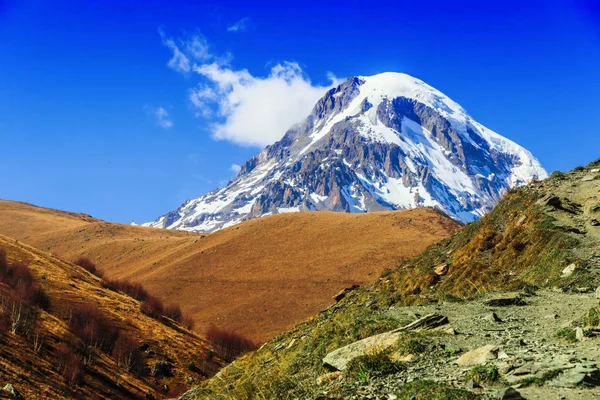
163,119
198,48
179,62
185,52
245,109
235,168
242,25
161,116
255,111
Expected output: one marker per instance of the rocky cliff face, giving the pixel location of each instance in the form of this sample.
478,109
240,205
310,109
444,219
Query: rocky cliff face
387,141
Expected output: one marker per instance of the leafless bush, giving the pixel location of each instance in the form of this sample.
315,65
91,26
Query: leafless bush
152,307
69,364
173,311
38,339
21,316
187,322
127,354
89,324
20,279
135,290
89,266
229,344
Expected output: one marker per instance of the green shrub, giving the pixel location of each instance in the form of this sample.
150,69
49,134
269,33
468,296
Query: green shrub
370,366
483,374
567,334
411,343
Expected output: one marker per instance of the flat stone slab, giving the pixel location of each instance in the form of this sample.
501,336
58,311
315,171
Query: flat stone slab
478,356
339,359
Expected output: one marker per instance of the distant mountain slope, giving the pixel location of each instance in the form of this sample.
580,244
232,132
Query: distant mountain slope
33,359
381,142
545,235
258,278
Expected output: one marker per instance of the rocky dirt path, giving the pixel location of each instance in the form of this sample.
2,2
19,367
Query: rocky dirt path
522,342
524,334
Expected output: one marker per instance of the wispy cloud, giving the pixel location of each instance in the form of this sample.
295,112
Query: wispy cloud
186,51
179,62
160,115
245,109
235,168
242,25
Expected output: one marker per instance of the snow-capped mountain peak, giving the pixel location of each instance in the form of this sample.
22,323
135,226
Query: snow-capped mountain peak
387,141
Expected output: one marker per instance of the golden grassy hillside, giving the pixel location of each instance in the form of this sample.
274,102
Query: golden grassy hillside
258,278
32,357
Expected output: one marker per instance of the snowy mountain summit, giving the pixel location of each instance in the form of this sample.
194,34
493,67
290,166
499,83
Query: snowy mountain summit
381,142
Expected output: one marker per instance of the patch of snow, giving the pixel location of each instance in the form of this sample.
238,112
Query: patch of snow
317,197
282,210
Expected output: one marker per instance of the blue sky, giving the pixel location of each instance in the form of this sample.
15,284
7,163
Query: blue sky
98,116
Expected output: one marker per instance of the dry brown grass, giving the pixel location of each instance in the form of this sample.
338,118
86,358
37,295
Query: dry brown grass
258,278
35,373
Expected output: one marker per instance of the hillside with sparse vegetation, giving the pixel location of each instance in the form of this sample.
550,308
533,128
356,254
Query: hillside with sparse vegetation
495,281
65,333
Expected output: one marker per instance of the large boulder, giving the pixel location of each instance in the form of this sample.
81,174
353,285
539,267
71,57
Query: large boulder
583,373
478,356
339,359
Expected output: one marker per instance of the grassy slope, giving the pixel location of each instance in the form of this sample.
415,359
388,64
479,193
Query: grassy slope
35,375
517,246
258,278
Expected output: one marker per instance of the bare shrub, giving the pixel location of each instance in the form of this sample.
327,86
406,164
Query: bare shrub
89,266
69,364
187,322
21,316
173,311
127,354
229,345
89,324
37,339
17,274
39,298
152,307
135,290
18,277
